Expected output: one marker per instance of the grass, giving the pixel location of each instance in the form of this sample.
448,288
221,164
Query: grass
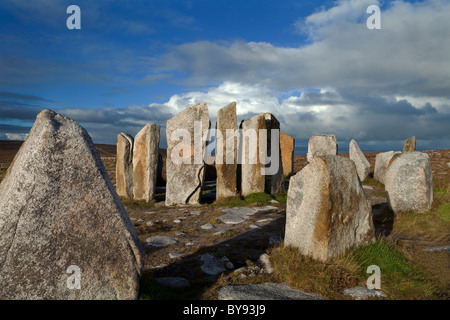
3,170
254,199
136,203
400,278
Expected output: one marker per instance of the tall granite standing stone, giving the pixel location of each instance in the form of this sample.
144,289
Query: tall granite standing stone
321,145
124,165
261,165
274,179
64,234
226,166
409,183
410,144
145,162
362,165
287,145
327,209
382,161
186,144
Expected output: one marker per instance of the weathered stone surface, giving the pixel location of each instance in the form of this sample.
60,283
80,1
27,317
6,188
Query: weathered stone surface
226,154
261,168
145,162
184,163
264,291
287,145
238,215
410,144
444,248
382,161
124,165
251,178
321,145
161,241
409,182
362,165
327,209
211,265
59,208
363,293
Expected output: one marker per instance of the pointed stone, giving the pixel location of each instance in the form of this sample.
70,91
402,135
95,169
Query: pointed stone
360,160
59,209
321,145
145,162
327,210
124,165
226,153
410,144
287,145
186,144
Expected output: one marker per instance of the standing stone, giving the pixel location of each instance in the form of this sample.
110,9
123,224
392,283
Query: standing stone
382,161
409,183
251,178
261,168
327,209
274,179
410,144
185,168
287,145
61,218
226,157
124,165
362,165
321,145
145,162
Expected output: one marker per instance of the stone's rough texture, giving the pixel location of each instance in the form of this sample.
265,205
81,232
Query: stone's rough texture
327,209
145,162
409,183
124,165
363,293
59,208
362,165
321,145
264,291
382,161
184,180
445,248
226,166
237,215
256,175
274,179
251,178
410,144
287,144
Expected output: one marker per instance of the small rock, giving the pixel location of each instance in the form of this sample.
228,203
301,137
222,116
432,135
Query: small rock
149,212
274,239
140,220
174,255
254,226
273,201
366,187
227,263
362,293
161,241
264,291
150,223
438,249
177,221
173,282
179,234
189,243
211,265
196,212
265,261
207,226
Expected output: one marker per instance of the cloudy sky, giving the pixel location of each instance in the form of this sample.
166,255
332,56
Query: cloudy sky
314,64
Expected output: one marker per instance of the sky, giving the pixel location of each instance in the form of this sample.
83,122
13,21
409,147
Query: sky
315,65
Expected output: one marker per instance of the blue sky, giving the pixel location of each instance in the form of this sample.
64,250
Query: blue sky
313,64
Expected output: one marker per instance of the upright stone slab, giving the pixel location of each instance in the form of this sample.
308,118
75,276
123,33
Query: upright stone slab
409,183
362,165
327,209
382,161
251,154
274,179
321,145
185,151
61,220
261,169
226,153
124,165
410,144
287,145
145,162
